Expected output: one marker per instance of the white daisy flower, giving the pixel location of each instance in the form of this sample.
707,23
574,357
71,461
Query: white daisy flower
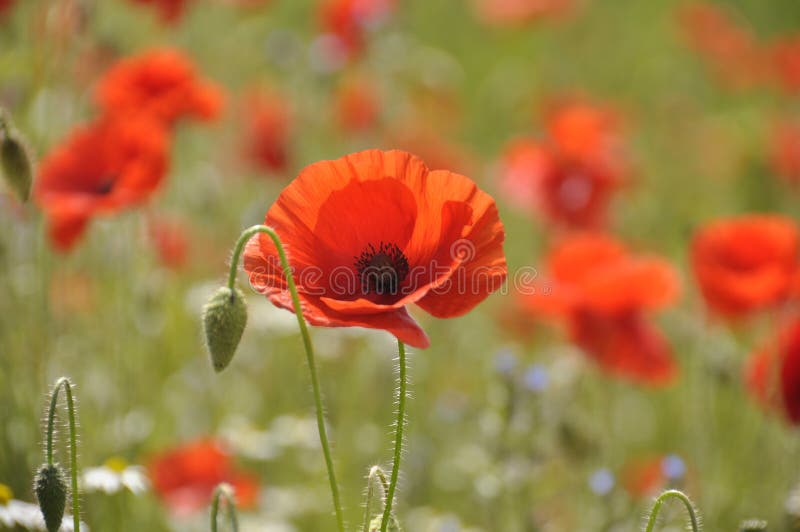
115,475
28,516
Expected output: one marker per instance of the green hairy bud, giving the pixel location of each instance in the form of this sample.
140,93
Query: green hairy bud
224,319
51,492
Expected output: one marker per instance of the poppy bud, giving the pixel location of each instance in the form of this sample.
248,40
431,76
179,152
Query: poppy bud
224,318
753,525
51,491
16,165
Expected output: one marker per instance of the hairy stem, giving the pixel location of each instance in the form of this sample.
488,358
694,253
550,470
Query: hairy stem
312,367
63,382
224,491
651,522
398,440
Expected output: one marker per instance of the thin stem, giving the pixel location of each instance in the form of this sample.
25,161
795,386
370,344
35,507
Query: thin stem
224,490
312,367
651,523
375,473
73,446
398,440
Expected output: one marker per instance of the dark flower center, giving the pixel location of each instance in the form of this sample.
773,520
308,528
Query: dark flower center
105,186
382,268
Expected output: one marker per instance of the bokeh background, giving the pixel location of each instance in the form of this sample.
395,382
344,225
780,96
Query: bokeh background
511,427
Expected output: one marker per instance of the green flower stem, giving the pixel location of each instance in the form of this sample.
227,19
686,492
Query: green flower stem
312,367
224,491
375,474
398,440
63,382
651,522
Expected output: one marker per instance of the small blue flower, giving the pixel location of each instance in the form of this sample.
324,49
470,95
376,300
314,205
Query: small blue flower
602,481
673,467
536,378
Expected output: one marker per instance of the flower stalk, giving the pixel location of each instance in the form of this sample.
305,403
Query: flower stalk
224,491
64,382
693,518
398,439
246,235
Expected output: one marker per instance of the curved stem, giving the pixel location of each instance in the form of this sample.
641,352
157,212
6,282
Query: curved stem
63,382
398,440
224,490
375,473
312,367
651,522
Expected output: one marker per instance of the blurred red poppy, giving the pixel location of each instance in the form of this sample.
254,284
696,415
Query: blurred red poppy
170,11
185,477
357,104
784,150
267,130
99,169
571,177
745,264
602,293
785,57
772,374
519,12
5,7
348,20
171,241
162,83
729,47
373,232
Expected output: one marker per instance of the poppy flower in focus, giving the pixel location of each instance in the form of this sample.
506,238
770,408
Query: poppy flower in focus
357,105
373,232
519,12
170,11
100,169
171,242
784,156
729,47
349,20
602,293
772,374
267,131
185,477
162,83
745,264
571,176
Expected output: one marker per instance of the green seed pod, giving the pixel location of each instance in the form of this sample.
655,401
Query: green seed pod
16,165
224,318
753,525
51,491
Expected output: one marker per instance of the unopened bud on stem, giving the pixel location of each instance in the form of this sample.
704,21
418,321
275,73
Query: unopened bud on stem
224,319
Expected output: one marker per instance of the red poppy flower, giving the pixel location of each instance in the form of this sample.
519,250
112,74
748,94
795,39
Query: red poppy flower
162,83
585,132
373,232
785,56
602,292
728,46
99,169
5,7
348,20
170,11
267,131
745,264
773,373
170,240
357,105
571,192
185,477
784,151
519,12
